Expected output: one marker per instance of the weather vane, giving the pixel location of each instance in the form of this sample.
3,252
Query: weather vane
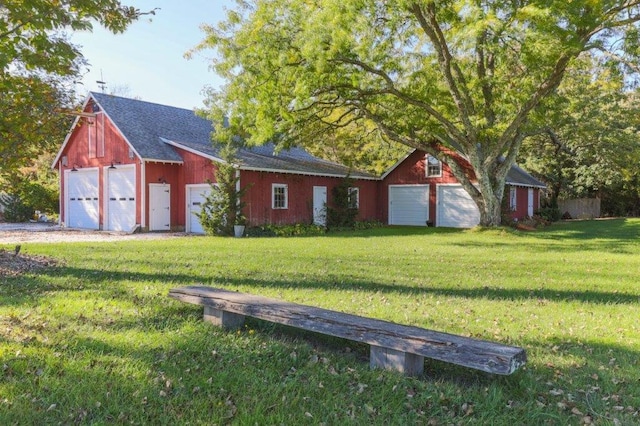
101,83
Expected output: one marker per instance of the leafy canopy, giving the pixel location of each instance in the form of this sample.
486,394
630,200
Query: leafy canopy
38,67
458,79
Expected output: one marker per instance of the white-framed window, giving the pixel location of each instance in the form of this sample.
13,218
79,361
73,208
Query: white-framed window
433,166
513,200
354,198
279,196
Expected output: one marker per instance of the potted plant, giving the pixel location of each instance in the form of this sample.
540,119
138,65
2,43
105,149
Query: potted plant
239,226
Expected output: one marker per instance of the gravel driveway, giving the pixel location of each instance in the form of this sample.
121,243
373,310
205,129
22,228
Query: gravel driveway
52,233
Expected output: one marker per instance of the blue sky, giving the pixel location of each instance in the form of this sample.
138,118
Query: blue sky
147,61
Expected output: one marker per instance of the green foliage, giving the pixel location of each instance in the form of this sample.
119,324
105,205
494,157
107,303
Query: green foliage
342,211
591,141
29,123
549,214
15,209
222,208
457,79
38,67
297,230
31,189
32,33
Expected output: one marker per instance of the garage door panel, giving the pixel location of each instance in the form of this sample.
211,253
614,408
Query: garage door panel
456,208
121,199
82,199
409,205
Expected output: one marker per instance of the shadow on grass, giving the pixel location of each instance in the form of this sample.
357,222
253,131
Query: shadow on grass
104,380
29,289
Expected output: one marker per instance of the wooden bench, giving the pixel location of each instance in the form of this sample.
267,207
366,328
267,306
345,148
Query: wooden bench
393,346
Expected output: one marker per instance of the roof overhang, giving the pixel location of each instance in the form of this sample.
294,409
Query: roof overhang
259,169
75,123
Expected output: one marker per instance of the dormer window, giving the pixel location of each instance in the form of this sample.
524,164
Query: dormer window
433,166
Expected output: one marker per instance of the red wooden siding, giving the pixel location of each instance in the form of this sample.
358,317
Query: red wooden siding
522,201
171,175
259,211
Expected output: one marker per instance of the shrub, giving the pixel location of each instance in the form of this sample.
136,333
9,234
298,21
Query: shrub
15,209
222,208
550,214
342,213
297,230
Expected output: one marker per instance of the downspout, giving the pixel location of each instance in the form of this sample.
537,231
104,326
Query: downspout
143,195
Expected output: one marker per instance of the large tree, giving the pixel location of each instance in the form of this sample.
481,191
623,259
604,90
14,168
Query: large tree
38,68
459,79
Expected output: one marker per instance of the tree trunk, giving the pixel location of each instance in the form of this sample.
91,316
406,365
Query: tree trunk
491,213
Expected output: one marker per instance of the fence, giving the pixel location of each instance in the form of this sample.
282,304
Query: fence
580,208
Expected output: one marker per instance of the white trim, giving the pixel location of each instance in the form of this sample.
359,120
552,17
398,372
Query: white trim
530,202
395,166
524,185
66,139
143,193
513,198
75,123
427,165
60,194
298,172
356,190
192,151
286,196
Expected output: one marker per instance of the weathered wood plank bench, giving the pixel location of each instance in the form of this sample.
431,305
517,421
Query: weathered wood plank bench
393,346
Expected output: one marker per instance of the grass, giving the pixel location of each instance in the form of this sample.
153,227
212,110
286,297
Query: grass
95,340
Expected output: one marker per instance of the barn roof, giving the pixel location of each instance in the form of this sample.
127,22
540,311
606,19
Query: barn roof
154,131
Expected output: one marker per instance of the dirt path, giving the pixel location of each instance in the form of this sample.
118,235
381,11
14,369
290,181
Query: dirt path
11,233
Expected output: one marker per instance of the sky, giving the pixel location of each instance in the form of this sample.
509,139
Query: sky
147,61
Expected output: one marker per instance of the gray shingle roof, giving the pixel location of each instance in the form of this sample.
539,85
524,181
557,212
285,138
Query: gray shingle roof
147,126
517,176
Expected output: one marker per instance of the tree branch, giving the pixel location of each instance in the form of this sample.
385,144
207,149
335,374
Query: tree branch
448,67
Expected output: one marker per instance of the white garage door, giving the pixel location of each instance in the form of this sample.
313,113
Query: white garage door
456,208
408,205
121,198
196,195
82,199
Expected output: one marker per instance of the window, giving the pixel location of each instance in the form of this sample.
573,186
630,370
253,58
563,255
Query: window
354,198
91,128
513,202
279,196
433,166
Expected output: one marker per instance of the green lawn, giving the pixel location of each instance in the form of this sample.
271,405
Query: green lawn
95,340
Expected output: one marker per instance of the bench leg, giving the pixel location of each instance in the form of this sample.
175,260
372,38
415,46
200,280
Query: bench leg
390,359
223,318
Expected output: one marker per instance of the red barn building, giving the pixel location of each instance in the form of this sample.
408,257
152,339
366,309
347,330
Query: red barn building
128,163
